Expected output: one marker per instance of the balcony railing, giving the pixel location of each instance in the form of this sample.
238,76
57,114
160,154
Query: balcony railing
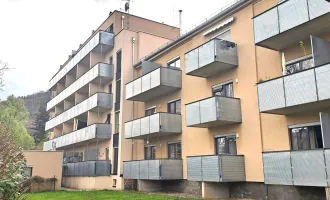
217,168
92,132
100,73
301,90
300,168
211,58
213,111
158,82
101,42
290,22
87,168
162,169
99,101
162,123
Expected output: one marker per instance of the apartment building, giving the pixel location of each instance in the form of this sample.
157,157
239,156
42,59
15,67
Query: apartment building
87,108
237,107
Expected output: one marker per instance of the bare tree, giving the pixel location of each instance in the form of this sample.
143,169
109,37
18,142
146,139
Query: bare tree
3,68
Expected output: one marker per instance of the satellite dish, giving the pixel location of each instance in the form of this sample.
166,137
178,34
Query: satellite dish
126,6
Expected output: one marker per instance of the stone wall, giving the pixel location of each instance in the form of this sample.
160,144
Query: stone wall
260,191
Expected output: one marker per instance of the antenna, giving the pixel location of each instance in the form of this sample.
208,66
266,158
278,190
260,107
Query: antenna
180,21
127,7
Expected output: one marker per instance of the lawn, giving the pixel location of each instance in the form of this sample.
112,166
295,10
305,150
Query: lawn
97,195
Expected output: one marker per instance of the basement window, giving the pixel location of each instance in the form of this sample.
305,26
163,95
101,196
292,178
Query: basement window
306,137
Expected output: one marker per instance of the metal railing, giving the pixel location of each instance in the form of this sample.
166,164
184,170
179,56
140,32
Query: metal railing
99,70
300,168
287,15
94,131
156,123
211,109
102,37
302,87
87,168
96,100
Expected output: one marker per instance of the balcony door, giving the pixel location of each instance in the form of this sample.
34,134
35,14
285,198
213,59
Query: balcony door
225,145
150,152
224,89
306,137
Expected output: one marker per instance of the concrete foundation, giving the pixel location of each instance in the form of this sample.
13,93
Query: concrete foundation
215,190
149,186
260,191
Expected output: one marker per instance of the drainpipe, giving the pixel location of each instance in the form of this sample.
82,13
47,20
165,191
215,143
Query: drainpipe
259,114
133,60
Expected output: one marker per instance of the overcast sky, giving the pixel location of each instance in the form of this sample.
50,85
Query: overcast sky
36,36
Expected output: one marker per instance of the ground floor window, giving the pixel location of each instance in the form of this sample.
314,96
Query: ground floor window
149,152
27,172
174,150
306,137
225,145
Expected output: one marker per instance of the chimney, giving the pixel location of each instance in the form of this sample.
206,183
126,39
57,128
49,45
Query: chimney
180,21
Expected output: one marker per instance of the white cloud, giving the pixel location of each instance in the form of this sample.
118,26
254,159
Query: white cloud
36,36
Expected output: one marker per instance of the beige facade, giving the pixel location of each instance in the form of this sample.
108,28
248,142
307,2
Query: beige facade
259,132
45,164
88,131
254,131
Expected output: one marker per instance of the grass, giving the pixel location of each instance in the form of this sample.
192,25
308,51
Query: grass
97,195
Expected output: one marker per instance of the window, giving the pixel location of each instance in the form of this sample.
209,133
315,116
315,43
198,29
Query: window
107,121
225,145
118,88
226,35
110,29
150,111
27,172
81,124
149,152
225,90
299,65
118,66
118,61
174,150
117,122
115,161
304,138
174,63
111,60
174,107
107,153
110,89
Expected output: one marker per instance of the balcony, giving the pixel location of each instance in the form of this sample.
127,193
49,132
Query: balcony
217,168
90,133
100,43
156,83
99,102
301,91
162,169
300,168
101,73
291,21
159,124
211,58
87,168
214,111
